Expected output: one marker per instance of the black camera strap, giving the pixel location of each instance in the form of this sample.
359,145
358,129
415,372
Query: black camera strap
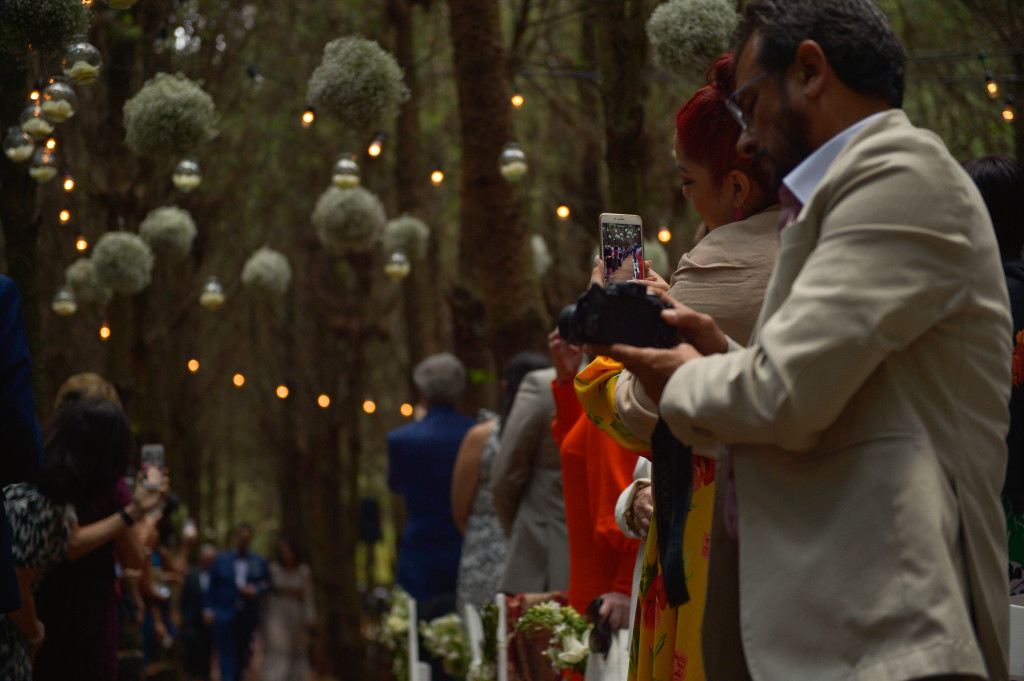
673,490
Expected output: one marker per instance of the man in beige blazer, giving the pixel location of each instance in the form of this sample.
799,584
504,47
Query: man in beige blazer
527,485
865,420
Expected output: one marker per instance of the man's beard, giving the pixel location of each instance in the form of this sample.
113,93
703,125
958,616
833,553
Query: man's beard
793,128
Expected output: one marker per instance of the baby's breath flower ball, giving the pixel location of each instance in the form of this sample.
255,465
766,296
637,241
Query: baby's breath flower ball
357,82
123,262
688,35
656,253
169,230
541,255
81,277
267,271
169,116
408,235
41,25
348,220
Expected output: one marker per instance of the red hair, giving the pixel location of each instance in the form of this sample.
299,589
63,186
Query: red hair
707,131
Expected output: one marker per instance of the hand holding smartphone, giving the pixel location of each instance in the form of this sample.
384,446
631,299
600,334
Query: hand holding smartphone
152,466
622,247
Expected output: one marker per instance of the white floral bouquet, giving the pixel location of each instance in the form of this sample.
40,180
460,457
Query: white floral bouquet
568,647
445,638
394,632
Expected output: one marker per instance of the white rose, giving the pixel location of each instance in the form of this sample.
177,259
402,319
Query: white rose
573,651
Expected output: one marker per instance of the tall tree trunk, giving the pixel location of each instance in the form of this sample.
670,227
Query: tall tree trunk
494,243
622,57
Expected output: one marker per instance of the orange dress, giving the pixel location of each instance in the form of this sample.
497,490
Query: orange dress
595,470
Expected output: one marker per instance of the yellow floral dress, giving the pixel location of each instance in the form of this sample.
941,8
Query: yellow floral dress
666,641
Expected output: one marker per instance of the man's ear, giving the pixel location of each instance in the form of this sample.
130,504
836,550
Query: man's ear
811,68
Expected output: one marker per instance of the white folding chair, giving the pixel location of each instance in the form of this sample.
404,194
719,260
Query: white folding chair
502,637
1016,642
418,671
475,633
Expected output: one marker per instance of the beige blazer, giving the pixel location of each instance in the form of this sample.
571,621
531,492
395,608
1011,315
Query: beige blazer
866,421
528,499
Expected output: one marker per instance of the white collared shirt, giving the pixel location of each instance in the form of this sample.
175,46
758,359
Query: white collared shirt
806,177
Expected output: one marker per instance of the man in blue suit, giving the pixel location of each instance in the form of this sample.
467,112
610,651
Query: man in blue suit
421,457
19,429
238,579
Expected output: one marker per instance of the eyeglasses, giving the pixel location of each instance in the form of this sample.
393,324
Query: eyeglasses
733,103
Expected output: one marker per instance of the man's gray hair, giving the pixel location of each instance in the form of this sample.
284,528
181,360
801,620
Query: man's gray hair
441,378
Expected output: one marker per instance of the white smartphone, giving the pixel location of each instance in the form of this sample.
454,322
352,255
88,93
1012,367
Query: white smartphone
622,247
152,466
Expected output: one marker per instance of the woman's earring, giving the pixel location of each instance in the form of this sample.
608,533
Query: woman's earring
738,215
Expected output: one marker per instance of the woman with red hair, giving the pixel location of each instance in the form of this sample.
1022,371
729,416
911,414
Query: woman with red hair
725,276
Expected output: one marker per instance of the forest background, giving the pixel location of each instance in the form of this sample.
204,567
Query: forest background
596,127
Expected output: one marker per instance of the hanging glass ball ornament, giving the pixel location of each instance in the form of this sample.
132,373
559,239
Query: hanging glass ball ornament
346,172
18,145
120,4
82,61
398,266
59,101
35,122
212,295
64,302
512,162
187,175
43,167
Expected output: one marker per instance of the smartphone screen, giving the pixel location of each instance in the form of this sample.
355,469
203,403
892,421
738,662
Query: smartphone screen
152,466
622,247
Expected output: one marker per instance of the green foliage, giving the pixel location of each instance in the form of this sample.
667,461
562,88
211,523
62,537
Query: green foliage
42,24
357,82
81,277
169,231
267,271
348,220
123,262
408,235
687,35
169,116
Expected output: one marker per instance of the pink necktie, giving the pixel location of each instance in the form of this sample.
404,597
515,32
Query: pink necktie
791,207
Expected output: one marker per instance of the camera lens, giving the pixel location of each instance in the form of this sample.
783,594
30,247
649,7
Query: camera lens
566,323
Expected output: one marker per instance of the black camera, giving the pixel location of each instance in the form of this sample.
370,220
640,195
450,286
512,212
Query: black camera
621,312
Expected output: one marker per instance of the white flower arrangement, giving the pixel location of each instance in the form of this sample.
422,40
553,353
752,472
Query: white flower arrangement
123,262
656,253
357,82
81,278
408,235
348,220
568,647
170,116
394,632
687,35
169,231
542,259
43,24
267,271
445,638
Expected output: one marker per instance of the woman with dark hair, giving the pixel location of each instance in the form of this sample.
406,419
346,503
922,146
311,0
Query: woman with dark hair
86,446
289,616
1001,182
484,546
725,276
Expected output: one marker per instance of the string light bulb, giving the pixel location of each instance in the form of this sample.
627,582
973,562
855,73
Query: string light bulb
991,86
65,216
376,145
34,95
51,144
517,98
80,243
282,391
105,331
406,410
238,380
437,177
664,234
1009,111
324,401
308,116
193,365
563,211
369,406
69,182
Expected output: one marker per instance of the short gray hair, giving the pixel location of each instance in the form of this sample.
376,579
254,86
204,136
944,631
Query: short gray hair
441,378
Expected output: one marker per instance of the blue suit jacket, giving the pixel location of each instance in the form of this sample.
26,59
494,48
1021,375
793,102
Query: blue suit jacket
19,429
421,457
225,599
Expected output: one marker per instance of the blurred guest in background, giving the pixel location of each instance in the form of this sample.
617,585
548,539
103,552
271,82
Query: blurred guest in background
196,622
289,617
